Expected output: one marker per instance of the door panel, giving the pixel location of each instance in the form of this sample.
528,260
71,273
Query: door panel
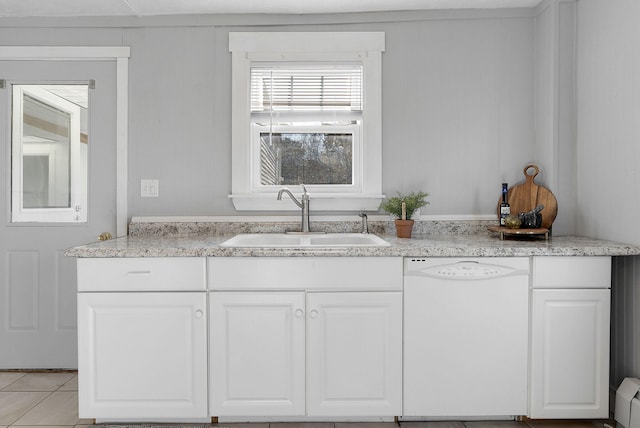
354,354
257,353
128,339
570,354
23,290
37,283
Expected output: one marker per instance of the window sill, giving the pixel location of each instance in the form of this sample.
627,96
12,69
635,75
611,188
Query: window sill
317,202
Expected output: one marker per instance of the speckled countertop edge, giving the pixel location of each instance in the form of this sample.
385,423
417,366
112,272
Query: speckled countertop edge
475,245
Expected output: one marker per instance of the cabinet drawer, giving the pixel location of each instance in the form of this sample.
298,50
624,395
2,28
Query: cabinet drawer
142,274
571,272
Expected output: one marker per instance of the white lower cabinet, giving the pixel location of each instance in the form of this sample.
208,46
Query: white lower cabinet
354,354
142,339
142,356
322,337
257,353
346,345
570,338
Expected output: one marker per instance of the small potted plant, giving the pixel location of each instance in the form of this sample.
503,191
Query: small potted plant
403,207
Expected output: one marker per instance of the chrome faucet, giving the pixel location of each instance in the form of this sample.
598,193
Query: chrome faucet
303,204
365,223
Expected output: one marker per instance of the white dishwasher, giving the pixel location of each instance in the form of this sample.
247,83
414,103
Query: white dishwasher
465,336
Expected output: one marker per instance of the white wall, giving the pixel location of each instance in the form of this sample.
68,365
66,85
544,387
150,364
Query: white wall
458,101
608,140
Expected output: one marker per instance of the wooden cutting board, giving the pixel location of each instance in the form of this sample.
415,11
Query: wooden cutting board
526,196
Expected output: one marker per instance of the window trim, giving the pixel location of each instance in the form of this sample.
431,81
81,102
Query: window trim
77,189
364,47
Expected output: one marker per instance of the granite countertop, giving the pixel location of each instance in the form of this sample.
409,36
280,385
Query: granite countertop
473,245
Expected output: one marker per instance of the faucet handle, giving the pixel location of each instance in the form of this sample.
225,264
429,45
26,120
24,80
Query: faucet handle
304,189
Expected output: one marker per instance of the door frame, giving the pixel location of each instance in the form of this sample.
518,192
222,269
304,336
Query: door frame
119,54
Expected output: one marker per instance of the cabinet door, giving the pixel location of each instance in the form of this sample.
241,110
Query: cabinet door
257,354
142,355
354,354
570,354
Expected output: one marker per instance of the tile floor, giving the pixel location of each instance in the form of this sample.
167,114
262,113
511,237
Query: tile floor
50,400
39,399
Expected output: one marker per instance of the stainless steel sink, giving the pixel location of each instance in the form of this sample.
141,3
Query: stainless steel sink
283,240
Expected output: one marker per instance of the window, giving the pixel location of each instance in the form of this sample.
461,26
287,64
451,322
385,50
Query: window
306,109
49,153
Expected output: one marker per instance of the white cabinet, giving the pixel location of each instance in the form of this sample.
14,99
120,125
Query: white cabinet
329,346
354,354
143,354
349,353
570,337
257,353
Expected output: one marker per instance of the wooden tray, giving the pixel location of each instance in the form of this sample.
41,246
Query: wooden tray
520,232
526,196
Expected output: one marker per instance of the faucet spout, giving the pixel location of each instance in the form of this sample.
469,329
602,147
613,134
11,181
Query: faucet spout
365,223
288,192
302,204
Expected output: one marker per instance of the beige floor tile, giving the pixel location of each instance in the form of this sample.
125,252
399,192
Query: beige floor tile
7,378
14,405
40,381
71,385
59,408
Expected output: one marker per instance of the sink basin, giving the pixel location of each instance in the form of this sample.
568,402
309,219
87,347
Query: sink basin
283,240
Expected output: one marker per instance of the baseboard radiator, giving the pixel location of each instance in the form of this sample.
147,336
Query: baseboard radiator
627,412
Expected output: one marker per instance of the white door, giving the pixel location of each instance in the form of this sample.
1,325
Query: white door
354,354
257,353
37,283
143,355
570,354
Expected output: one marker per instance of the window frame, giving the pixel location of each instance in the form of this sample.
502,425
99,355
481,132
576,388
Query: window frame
76,212
363,47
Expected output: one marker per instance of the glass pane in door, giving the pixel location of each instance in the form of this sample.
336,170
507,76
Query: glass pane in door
49,153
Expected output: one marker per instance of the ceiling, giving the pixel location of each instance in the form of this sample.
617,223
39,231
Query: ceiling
71,8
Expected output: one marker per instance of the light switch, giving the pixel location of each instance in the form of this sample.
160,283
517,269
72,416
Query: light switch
149,188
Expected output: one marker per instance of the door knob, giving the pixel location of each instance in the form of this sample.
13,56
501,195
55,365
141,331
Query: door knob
105,236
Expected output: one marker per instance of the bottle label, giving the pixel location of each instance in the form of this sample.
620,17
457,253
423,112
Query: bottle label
504,212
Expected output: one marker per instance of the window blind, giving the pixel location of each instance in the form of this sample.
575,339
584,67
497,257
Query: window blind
309,88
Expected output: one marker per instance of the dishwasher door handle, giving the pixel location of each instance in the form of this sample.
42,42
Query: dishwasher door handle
467,270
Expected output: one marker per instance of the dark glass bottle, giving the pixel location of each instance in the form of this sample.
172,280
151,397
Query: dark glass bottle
505,208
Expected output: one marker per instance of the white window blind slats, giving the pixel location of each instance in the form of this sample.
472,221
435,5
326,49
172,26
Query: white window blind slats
303,89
